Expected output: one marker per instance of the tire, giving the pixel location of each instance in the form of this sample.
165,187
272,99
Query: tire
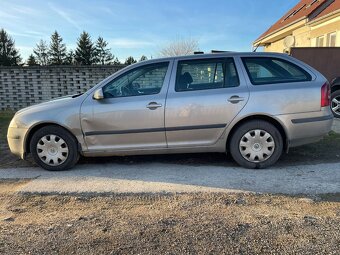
54,148
265,141
335,103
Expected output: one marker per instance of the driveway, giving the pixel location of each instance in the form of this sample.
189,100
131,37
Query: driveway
336,126
158,177
312,169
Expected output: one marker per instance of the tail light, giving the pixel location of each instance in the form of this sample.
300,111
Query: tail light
325,95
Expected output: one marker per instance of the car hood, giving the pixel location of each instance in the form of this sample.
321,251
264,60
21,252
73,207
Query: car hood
51,104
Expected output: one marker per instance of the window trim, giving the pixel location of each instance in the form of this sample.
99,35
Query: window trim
208,60
329,36
324,40
308,75
132,70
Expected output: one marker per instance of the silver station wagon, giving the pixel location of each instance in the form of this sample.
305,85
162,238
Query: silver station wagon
253,105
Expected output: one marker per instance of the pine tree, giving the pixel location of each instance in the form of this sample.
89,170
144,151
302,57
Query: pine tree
103,54
85,52
31,61
41,53
57,50
70,58
116,61
143,58
9,55
130,60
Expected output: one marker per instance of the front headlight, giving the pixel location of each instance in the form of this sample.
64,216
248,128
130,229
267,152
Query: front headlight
17,122
13,123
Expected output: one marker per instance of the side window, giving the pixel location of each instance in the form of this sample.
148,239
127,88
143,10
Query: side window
265,70
144,80
206,74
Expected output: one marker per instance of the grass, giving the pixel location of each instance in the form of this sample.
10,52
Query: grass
5,118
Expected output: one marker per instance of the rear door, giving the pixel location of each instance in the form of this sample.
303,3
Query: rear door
204,96
281,85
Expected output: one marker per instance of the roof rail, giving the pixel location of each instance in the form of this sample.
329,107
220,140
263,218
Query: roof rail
219,51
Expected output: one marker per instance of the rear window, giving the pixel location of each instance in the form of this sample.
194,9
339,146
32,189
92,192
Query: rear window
265,70
206,74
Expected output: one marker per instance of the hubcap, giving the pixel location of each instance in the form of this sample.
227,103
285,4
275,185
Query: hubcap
336,105
257,146
52,150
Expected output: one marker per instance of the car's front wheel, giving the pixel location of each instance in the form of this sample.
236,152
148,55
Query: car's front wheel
54,148
256,144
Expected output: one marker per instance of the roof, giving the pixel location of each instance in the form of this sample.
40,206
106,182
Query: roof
303,10
333,7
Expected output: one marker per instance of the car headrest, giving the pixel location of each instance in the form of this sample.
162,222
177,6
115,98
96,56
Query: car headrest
185,79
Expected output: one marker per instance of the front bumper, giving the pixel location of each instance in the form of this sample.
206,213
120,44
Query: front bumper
16,140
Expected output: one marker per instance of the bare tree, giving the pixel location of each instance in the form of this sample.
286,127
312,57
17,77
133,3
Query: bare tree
180,47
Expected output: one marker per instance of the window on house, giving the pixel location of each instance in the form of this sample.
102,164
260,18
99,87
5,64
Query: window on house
294,12
313,2
331,39
320,41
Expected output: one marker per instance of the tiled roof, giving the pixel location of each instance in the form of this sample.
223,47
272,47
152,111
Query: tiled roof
302,10
334,6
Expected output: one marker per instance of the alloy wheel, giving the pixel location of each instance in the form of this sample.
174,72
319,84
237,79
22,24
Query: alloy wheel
336,105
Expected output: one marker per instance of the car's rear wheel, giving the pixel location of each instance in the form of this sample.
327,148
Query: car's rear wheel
54,148
256,144
335,104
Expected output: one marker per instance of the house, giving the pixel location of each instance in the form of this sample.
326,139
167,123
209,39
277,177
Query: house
311,23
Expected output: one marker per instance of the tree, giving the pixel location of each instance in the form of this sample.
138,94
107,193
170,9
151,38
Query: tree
41,53
103,54
31,61
130,60
180,47
57,50
116,61
9,55
70,58
143,58
85,52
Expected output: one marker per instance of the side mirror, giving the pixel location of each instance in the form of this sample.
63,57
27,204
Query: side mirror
98,94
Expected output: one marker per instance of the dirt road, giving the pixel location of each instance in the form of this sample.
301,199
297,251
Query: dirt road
165,224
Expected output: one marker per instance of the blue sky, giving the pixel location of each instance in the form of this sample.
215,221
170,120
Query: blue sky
137,27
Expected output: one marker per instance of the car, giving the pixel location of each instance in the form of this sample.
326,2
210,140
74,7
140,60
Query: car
254,106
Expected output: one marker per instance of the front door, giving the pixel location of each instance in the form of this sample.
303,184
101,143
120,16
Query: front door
131,115
203,98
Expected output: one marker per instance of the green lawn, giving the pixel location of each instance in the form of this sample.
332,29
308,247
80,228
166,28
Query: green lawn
5,118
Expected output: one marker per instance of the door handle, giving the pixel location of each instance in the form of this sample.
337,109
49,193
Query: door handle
153,105
235,99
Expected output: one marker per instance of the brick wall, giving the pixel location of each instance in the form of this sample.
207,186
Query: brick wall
24,86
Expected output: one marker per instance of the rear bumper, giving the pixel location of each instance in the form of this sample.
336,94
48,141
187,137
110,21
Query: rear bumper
304,128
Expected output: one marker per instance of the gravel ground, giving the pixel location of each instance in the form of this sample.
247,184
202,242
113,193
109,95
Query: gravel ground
166,224
150,177
170,223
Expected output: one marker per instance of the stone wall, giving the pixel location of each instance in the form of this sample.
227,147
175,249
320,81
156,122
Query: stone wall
24,86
